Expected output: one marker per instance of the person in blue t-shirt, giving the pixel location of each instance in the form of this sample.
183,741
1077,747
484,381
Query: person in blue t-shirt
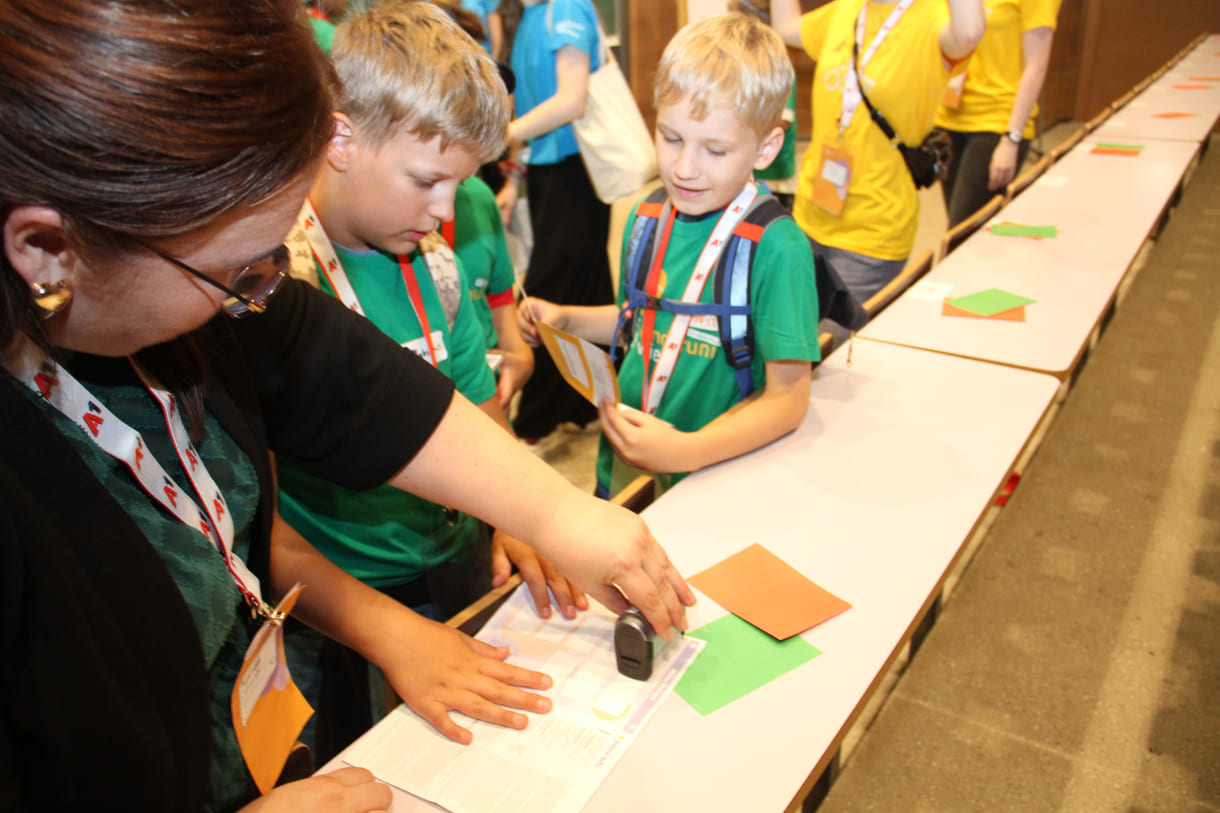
555,49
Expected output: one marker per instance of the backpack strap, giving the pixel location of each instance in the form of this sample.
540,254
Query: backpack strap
442,267
641,250
731,281
732,287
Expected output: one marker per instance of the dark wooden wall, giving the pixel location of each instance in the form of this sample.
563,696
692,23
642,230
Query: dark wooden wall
1122,41
1102,48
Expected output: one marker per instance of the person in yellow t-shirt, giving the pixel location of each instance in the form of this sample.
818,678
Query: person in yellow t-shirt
990,120
855,198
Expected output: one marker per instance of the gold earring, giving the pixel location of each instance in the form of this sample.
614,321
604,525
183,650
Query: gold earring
50,298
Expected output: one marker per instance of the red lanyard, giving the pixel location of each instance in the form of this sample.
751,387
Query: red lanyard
417,304
652,286
449,232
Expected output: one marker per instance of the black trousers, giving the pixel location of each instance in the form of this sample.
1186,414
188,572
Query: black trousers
969,170
569,265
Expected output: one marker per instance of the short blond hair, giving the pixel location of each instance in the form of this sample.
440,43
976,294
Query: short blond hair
407,64
731,61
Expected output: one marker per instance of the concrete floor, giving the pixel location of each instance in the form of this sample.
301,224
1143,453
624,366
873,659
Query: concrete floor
1073,669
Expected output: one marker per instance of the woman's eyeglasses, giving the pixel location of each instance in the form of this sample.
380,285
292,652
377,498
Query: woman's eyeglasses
252,286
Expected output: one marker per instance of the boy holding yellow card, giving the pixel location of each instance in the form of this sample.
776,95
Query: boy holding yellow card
720,91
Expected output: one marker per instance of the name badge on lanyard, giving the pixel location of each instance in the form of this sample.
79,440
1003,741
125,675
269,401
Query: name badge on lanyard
834,173
268,709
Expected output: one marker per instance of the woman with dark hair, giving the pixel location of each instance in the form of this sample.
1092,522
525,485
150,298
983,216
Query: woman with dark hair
152,157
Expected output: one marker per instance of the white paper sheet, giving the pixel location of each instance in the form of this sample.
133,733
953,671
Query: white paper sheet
558,761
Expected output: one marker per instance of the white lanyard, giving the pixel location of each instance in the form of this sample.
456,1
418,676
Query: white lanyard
328,261
851,88
676,336
114,437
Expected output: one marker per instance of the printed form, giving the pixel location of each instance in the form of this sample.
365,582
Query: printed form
558,761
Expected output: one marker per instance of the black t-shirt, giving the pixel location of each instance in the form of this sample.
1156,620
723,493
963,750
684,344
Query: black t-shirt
103,695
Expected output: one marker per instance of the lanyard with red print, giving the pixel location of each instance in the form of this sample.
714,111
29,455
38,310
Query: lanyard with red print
210,516
653,387
324,255
851,89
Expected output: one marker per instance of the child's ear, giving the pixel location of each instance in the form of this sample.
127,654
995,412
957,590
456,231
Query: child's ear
342,142
769,147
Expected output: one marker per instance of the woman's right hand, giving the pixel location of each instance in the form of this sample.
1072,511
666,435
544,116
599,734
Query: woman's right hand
531,311
347,790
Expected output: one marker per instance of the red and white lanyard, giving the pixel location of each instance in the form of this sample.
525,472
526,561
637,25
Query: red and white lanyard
324,254
114,437
653,387
327,260
851,88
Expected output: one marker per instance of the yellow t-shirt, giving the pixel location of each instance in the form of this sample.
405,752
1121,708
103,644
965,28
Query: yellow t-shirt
994,71
905,80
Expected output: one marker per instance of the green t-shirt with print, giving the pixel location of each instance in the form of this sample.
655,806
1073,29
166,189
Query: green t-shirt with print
386,537
479,243
783,301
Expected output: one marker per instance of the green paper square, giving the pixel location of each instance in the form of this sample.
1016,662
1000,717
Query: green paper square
1022,230
1108,146
990,302
738,659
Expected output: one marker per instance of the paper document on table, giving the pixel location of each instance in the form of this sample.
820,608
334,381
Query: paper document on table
558,761
584,365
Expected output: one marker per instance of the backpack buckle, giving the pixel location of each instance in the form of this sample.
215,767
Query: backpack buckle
740,356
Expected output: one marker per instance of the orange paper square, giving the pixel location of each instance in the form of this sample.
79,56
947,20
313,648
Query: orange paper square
1016,314
759,587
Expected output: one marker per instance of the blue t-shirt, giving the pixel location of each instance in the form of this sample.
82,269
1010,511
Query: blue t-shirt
544,29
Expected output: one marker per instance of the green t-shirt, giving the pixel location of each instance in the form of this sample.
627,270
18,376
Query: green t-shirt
784,307
195,565
784,165
479,244
323,33
386,537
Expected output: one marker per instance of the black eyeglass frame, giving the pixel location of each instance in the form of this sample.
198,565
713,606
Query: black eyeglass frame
237,305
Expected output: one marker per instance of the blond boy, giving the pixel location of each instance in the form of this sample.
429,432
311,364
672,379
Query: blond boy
720,92
419,108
